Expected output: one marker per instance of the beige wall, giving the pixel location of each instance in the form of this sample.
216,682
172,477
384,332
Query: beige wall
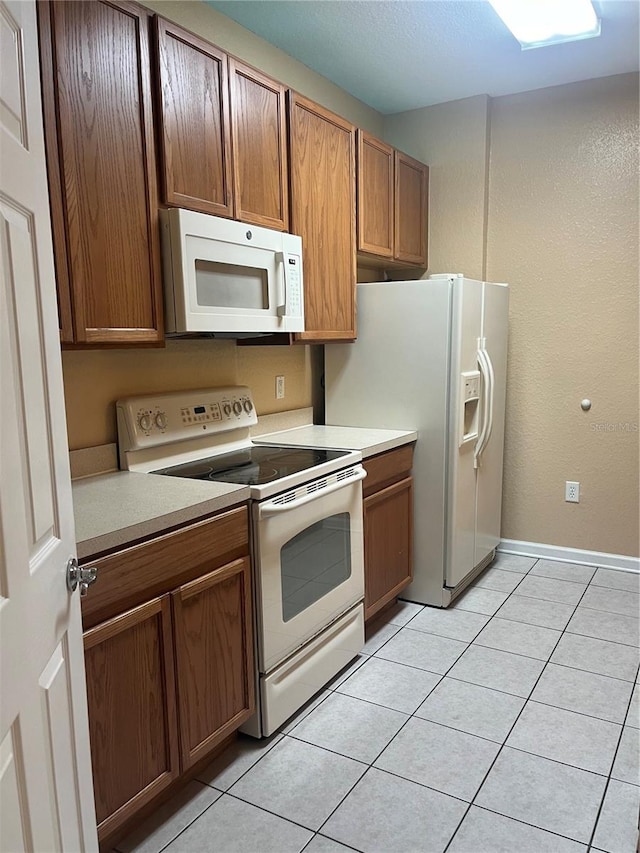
563,230
453,139
541,190
200,18
94,380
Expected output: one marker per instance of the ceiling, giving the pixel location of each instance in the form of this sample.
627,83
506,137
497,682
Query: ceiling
398,55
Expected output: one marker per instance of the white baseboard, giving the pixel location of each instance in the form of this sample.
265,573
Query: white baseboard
570,555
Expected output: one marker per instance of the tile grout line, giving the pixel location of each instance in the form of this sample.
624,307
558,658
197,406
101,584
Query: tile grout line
184,829
222,793
499,753
299,740
318,835
371,766
409,718
609,777
441,677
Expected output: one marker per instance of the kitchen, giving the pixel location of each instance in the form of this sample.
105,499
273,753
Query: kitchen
596,231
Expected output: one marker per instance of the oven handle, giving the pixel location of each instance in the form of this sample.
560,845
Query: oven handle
272,508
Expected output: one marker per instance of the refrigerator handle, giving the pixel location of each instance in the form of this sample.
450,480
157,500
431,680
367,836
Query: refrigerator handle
492,386
486,396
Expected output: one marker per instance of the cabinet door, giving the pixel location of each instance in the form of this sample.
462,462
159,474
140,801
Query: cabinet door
132,712
322,167
258,133
102,170
375,196
412,188
194,121
388,549
214,657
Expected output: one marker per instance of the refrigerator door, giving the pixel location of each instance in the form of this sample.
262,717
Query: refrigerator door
466,328
495,321
395,376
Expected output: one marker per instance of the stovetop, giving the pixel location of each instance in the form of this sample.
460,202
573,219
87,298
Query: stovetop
254,465
206,434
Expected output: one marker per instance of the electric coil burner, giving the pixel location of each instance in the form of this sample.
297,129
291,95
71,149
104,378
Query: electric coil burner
306,532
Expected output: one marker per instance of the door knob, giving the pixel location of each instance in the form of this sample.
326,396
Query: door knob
83,577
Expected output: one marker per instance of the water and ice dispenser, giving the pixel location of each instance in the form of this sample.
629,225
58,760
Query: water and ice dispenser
469,406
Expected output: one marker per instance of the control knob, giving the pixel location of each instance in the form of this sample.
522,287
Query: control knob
237,408
248,406
144,421
161,420
226,409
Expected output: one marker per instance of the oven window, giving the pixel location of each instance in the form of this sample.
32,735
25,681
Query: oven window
314,562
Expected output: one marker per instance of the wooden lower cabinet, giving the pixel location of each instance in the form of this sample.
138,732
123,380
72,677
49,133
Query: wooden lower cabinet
132,710
388,528
170,678
214,657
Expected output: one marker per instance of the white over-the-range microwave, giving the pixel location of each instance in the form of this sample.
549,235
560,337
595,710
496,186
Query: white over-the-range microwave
229,278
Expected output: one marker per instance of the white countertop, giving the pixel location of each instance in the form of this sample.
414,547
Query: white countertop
114,509
368,441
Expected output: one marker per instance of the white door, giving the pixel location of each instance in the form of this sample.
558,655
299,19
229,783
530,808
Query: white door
46,795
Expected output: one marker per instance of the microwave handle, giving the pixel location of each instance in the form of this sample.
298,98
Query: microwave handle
281,284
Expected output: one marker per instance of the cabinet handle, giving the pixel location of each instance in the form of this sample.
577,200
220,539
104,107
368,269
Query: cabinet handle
83,577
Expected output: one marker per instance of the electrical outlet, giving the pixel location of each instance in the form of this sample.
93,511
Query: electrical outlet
279,387
572,492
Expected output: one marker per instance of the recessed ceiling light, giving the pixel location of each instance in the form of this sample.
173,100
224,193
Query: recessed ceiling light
537,23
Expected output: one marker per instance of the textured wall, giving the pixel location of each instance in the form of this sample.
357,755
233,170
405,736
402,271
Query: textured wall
200,18
541,190
453,139
563,230
94,380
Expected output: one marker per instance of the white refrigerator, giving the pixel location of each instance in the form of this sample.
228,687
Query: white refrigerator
431,356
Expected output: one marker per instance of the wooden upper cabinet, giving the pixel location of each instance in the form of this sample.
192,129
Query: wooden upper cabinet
194,121
375,192
259,137
392,203
214,654
132,710
102,170
322,182
411,196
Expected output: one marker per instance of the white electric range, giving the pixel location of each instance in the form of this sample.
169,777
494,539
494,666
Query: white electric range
307,532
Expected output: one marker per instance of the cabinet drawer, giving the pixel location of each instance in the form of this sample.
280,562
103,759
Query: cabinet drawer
387,468
133,575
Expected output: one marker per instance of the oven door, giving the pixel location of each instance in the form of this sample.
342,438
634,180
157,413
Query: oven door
309,561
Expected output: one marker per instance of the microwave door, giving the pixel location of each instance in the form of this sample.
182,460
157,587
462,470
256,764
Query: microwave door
229,287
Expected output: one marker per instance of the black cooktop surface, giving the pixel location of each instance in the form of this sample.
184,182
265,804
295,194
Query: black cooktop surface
253,466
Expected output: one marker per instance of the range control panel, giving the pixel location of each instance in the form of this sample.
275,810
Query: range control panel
152,420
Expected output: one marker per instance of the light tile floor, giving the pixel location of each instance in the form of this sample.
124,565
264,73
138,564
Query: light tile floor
508,723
